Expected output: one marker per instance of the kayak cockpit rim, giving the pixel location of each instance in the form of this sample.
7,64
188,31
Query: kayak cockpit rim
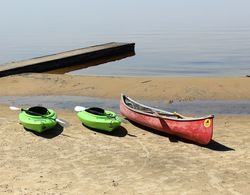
158,113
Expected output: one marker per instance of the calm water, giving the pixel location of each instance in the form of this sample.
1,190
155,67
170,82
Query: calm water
194,108
173,38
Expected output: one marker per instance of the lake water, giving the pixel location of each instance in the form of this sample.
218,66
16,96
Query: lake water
173,38
194,108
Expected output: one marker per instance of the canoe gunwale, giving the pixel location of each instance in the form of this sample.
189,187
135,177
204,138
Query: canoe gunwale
160,113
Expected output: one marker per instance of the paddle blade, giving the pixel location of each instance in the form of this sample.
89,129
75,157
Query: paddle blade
123,119
62,122
79,108
182,116
14,108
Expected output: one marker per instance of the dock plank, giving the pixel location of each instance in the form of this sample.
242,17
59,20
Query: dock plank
65,59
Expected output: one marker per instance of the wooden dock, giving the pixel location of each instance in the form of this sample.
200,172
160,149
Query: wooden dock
66,59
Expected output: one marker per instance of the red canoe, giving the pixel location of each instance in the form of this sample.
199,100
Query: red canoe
198,130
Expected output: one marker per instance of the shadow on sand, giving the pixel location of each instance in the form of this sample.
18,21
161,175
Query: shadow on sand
49,134
118,132
212,145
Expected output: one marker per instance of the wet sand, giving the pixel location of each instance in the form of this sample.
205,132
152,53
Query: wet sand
151,88
131,160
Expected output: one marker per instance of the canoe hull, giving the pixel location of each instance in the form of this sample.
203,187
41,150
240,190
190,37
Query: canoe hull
198,130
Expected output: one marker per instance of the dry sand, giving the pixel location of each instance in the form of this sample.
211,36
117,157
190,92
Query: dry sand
132,160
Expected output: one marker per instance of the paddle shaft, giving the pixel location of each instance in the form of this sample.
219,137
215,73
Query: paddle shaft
100,112
159,114
35,113
96,112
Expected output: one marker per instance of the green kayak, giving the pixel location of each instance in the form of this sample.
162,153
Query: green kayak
38,119
100,119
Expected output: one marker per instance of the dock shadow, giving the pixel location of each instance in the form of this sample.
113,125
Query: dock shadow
212,145
49,134
90,63
118,132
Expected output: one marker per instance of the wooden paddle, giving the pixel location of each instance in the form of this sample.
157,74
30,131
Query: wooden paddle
160,114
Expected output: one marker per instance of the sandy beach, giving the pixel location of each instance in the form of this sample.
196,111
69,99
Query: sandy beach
150,88
131,160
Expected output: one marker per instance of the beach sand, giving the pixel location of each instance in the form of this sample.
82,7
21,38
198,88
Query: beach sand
132,160
152,88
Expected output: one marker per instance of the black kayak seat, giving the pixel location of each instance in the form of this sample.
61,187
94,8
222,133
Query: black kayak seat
37,110
96,111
